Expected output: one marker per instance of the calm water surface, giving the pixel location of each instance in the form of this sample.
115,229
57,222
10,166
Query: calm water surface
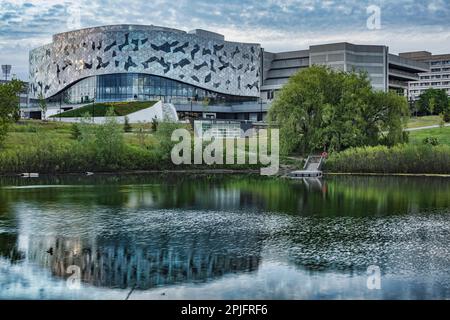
230,237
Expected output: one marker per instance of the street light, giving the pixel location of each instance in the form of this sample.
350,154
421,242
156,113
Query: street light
60,103
261,104
93,105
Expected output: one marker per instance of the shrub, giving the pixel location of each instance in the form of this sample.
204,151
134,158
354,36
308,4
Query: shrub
75,131
446,116
416,159
127,126
433,141
108,141
154,124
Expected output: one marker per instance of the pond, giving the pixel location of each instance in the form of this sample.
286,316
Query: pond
224,237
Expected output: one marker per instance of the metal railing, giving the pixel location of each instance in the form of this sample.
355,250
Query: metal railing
314,163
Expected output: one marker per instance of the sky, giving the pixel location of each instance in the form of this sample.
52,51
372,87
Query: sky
278,25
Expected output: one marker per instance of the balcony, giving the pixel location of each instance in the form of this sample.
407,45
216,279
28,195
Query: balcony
254,107
403,75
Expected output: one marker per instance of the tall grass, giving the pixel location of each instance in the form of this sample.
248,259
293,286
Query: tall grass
53,157
415,159
96,148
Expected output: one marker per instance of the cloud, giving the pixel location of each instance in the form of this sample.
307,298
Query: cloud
276,24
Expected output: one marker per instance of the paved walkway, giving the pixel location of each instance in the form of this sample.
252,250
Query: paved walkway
428,127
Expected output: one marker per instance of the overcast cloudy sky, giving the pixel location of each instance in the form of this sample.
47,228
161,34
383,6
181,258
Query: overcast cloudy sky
277,24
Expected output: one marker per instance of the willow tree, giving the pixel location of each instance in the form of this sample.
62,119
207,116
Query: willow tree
324,109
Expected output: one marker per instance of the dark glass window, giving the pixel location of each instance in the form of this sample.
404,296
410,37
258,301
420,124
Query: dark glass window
134,86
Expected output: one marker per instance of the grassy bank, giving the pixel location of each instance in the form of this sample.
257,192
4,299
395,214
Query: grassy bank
101,109
54,148
425,121
441,134
414,159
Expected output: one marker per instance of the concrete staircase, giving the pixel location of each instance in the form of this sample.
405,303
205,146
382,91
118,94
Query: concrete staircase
312,168
313,163
169,112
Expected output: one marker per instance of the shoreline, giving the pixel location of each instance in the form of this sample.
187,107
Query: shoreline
137,172
226,171
436,175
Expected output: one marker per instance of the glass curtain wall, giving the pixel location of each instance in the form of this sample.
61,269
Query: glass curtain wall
140,87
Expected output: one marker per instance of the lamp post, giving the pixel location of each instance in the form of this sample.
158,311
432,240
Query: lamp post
261,104
93,105
60,103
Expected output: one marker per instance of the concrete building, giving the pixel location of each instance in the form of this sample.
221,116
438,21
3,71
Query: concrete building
437,77
386,71
199,72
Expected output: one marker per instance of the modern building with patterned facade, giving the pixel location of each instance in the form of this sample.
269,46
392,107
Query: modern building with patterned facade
131,62
199,72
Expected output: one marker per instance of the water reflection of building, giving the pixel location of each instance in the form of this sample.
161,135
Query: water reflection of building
118,264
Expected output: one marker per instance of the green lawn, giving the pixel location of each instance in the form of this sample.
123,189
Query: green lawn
100,109
442,134
417,122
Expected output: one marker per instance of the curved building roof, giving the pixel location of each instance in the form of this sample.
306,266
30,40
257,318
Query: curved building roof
200,58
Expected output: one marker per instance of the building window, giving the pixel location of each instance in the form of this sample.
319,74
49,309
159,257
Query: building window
142,87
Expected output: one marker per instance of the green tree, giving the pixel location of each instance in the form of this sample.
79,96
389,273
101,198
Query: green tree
9,105
325,109
75,131
127,126
141,134
446,116
154,124
109,141
42,105
433,102
388,117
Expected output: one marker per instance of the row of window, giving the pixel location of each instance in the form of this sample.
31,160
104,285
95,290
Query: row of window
437,76
134,86
425,84
440,69
419,92
440,63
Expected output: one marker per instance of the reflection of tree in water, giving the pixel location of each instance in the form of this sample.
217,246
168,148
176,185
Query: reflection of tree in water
8,247
118,264
335,196
338,226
